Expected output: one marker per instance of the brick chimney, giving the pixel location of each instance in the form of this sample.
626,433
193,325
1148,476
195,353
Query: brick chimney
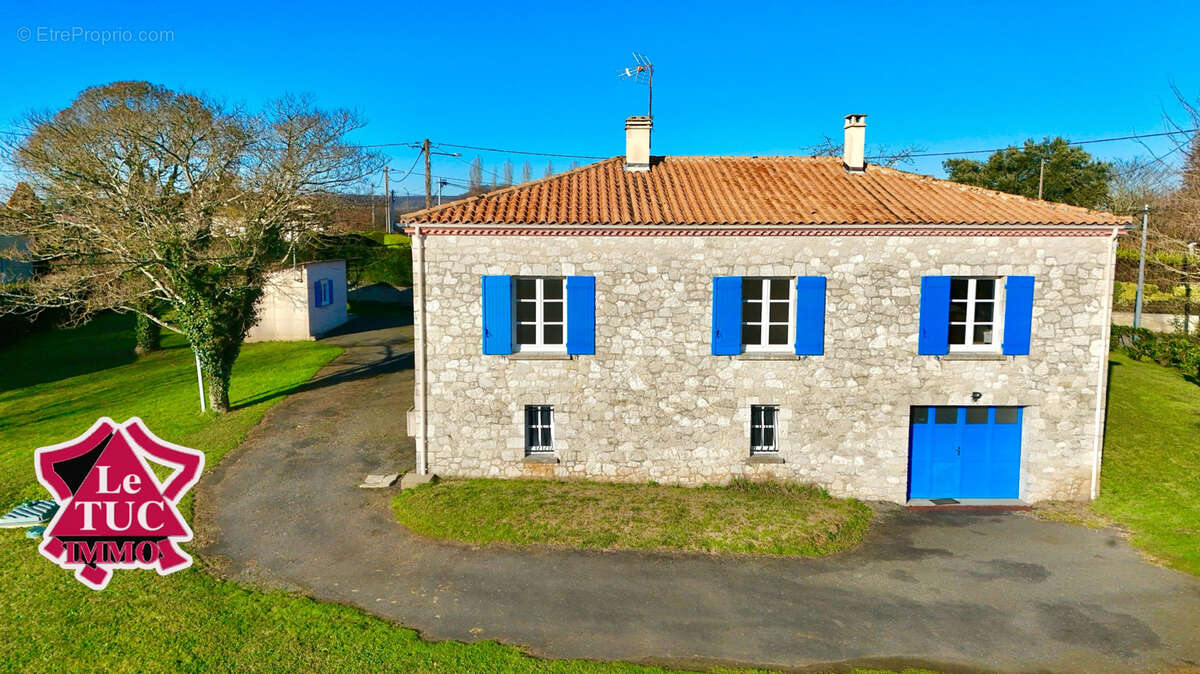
637,143
855,143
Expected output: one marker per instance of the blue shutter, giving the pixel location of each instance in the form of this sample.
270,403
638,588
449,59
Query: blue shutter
934,339
1018,315
581,314
316,293
497,315
727,315
810,315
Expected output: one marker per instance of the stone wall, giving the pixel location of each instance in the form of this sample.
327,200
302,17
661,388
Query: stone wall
654,404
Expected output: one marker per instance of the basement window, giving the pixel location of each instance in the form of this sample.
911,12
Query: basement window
539,429
764,429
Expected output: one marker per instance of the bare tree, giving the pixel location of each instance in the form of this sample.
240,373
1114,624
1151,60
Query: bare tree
882,155
475,178
549,169
526,171
508,172
153,196
1137,182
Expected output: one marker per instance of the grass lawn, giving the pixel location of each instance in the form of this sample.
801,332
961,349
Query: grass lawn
746,517
1150,481
52,387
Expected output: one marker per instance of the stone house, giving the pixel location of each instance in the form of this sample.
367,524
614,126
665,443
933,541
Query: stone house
690,320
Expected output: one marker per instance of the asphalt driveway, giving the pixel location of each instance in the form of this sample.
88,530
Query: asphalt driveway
946,589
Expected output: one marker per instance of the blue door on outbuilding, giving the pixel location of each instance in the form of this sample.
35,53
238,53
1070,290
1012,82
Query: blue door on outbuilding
965,452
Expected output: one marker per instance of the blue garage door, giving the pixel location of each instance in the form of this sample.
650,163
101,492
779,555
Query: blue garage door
965,452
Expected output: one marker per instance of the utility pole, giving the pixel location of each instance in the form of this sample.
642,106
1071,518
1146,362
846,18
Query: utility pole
387,194
1137,307
428,186
1041,178
372,206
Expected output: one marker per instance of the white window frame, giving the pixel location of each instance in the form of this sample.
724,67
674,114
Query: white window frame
760,423
764,318
539,449
969,326
539,321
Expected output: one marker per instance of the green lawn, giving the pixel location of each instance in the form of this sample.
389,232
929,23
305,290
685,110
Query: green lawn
1150,480
745,518
52,387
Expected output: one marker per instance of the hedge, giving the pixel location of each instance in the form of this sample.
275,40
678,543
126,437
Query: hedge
1175,349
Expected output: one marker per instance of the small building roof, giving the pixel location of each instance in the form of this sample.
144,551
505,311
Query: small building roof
760,191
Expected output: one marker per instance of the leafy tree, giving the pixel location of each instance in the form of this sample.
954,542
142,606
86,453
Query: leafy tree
164,198
1072,176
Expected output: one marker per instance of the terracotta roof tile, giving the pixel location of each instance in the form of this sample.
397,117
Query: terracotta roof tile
751,191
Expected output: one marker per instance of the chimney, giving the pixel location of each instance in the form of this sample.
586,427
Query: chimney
637,143
855,143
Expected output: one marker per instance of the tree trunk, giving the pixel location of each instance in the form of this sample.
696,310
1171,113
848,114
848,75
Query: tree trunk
218,392
149,335
216,366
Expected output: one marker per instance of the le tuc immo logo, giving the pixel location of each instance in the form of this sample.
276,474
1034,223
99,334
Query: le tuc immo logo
114,513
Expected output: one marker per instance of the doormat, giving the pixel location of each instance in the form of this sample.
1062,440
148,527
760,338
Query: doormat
943,501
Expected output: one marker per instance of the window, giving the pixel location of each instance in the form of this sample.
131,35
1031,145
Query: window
539,429
323,292
540,323
764,429
975,314
767,318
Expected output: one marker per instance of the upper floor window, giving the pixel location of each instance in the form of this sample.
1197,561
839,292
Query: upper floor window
767,314
540,323
975,314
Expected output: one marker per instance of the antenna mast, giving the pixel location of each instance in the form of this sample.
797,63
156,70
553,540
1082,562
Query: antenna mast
642,73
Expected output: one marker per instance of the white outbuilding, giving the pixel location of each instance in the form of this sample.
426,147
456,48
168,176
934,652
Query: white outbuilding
302,302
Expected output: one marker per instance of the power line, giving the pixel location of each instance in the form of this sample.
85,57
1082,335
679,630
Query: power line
1074,142
536,154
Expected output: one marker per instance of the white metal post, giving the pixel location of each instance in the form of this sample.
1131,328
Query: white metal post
200,383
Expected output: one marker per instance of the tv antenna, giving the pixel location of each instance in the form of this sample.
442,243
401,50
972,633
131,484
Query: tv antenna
642,73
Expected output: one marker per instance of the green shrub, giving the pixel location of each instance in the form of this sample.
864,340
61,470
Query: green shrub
1176,350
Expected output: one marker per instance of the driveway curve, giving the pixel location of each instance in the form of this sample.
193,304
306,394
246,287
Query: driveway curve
949,590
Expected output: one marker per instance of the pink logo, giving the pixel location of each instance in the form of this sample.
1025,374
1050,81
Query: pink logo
114,513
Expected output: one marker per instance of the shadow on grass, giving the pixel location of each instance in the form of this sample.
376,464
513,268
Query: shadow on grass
395,361
105,342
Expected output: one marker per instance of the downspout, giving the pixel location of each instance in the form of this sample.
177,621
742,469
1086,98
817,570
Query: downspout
419,302
1102,375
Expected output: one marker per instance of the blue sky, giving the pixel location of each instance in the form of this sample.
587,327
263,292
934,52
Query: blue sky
751,78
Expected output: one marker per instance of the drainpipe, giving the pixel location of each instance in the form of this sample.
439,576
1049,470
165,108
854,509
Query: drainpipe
419,329
1102,375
